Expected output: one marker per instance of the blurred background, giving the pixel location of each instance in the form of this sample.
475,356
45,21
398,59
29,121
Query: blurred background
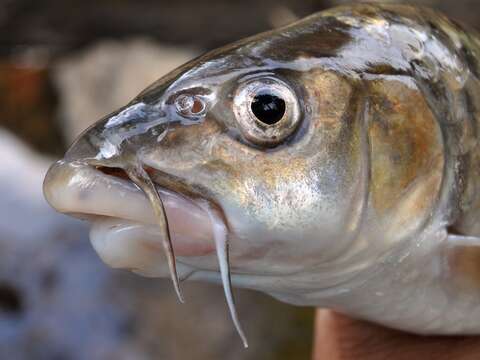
64,64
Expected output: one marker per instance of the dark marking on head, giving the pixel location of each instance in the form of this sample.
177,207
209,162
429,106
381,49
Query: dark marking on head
385,69
321,37
471,60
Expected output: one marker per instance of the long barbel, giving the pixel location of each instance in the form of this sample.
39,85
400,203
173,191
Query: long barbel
141,178
220,235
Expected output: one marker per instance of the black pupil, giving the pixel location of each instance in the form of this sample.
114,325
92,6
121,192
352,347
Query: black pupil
268,108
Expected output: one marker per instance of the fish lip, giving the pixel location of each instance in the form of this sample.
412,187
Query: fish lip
69,184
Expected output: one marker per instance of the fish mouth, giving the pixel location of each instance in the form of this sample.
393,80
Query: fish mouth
121,213
116,206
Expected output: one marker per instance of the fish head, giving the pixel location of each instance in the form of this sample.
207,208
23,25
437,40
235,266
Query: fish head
270,132
271,142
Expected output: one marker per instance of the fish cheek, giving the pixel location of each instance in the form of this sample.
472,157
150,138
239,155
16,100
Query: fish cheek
307,183
315,182
339,143
184,147
406,150
328,99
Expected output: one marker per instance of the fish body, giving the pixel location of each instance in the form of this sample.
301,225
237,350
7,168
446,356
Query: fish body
333,162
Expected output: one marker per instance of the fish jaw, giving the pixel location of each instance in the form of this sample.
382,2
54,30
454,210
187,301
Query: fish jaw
117,207
123,231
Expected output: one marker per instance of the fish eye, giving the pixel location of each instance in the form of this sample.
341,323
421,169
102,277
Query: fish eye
267,110
190,106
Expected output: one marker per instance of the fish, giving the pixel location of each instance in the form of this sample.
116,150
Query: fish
333,162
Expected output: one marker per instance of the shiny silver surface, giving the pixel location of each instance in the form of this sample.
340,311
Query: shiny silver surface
368,205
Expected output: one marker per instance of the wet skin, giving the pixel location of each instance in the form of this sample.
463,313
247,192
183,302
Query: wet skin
333,162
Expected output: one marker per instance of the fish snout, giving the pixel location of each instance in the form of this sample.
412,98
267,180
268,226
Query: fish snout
120,135
50,183
85,149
